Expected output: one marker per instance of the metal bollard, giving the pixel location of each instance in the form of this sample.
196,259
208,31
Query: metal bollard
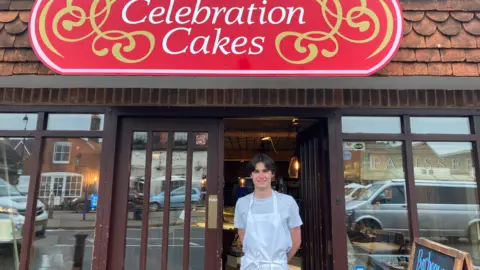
79,250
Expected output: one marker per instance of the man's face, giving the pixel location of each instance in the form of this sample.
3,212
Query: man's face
262,177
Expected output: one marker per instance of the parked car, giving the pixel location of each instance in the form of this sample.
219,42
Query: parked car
353,191
76,204
13,207
445,208
177,198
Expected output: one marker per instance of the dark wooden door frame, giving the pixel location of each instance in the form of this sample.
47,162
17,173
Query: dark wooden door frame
312,147
113,246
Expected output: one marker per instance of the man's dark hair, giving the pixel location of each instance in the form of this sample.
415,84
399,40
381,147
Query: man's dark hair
263,158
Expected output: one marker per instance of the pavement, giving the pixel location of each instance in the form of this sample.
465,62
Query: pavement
74,221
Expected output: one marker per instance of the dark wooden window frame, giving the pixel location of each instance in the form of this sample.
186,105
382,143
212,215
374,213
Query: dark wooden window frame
109,134
407,138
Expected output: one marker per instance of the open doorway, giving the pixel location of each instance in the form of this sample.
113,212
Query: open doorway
297,147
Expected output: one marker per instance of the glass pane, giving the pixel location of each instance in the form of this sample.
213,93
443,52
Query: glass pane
376,207
360,124
157,196
446,192
18,121
93,122
135,200
437,125
70,213
177,202
16,168
198,214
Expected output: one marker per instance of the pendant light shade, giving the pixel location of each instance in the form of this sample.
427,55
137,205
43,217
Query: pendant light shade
293,167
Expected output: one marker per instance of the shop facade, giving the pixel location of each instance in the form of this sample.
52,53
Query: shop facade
385,158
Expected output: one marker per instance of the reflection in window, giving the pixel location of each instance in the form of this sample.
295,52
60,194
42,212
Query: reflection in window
69,191
360,124
16,168
437,125
92,122
376,207
18,121
446,194
61,152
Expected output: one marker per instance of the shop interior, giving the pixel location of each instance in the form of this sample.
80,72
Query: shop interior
244,138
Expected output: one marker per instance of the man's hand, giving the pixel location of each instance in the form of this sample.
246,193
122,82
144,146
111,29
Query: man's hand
296,235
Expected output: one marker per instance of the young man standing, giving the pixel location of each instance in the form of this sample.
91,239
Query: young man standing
268,222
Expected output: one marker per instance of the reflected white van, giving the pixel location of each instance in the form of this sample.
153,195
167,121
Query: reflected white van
445,208
13,207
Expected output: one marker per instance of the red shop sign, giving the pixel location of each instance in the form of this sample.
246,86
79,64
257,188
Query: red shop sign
216,37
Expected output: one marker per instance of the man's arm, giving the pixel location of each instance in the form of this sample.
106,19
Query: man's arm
241,234
296,234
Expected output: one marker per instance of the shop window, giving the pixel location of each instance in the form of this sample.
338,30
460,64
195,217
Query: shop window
85,122
376,209
69,192
447,202
61,152
439,125
18,121
360,124
16,169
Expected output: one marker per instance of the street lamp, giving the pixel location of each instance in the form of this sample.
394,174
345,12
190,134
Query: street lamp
25,121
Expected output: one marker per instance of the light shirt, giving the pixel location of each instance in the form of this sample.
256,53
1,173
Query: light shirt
287,207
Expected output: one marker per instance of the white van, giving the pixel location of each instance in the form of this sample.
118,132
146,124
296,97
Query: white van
445,208
13,207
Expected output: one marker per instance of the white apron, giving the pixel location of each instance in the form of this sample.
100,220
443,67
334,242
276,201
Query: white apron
266,242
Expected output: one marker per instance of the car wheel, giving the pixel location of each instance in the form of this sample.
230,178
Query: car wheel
154,207
79,208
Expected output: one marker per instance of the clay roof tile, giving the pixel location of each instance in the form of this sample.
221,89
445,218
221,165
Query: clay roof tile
8,16
413,16
463,40
407,27
405,55
21,5
22,40
472,55
24,16
16,27
428,55
437,40
6,68
462,16
26,68
472,27
413,69
6,40
413,40
452,55
392,69
425,27
440,69
438,16
450,27
465,69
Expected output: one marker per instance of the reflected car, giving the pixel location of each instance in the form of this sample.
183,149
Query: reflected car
177,199
445,209
13,205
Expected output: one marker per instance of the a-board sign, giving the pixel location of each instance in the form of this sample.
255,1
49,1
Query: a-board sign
426,255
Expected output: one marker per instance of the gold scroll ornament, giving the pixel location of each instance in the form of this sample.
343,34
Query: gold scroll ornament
81,18
352,19
91,16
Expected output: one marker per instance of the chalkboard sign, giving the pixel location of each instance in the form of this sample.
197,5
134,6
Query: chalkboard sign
428,255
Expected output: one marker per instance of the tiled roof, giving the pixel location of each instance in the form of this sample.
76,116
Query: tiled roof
441,38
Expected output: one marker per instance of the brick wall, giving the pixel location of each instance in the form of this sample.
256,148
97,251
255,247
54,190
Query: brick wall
243,97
